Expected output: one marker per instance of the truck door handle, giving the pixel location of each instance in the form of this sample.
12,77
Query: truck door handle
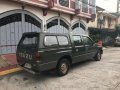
76,50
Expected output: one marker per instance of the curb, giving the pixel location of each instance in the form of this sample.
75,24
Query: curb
5,71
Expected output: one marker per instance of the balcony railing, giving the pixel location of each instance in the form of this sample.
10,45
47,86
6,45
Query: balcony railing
85,7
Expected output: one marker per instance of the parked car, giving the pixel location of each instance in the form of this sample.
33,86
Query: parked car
117,41
38,52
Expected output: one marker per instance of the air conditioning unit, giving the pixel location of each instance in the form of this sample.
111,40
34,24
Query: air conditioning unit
93,16
78,4
93,13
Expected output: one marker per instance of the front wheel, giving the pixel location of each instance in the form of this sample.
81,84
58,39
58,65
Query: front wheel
98,56
63,67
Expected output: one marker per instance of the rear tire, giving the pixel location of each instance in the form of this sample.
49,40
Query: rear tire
63,67
98,56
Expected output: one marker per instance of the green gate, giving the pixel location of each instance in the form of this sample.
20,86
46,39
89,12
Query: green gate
106,35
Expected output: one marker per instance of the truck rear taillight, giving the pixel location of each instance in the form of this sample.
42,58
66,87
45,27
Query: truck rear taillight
38,56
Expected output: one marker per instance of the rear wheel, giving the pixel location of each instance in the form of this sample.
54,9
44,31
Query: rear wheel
98,56
63,67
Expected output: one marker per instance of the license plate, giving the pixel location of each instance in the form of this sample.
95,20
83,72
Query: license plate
27,65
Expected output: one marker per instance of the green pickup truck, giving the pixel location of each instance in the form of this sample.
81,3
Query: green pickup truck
38,52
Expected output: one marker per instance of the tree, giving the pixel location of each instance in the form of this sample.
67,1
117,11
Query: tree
117,27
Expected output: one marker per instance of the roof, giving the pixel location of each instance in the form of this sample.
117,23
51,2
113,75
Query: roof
99,8
116,14
106,13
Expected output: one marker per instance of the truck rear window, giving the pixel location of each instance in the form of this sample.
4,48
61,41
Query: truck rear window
29,40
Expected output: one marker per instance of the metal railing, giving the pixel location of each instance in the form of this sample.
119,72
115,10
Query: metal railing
85,6
88,7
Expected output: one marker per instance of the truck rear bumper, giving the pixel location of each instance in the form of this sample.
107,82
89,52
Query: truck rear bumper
29,70
37,68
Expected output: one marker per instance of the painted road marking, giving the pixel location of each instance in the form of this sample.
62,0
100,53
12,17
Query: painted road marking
10,71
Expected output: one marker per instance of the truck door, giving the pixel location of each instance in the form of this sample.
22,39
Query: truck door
79,49
27,49
89,46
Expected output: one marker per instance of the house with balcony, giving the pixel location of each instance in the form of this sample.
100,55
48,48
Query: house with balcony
108,20
53,16
104,19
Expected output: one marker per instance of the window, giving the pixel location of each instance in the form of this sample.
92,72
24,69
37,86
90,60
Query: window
62,23
57,25
82,26
52,23
75,26
85,8
87,41
63,40
109,22
77,40
31,20
85,1
10,19
50,41
29,40
64,3
92,2
92,7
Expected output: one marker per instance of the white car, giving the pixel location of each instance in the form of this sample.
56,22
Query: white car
117,41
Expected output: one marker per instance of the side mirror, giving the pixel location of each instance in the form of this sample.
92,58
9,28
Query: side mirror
100,43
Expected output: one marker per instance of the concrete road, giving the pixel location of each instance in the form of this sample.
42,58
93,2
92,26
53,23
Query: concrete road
90,75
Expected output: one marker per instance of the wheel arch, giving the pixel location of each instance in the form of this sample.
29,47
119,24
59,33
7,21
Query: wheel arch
100,49
68,57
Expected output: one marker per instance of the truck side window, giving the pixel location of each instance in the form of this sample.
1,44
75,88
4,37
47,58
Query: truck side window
62,40
50,41
77,40
87,41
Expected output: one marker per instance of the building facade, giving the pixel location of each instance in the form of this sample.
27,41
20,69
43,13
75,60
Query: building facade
109,20
54,16
103,19
94,24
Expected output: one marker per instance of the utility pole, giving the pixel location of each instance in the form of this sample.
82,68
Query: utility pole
118,6
118,10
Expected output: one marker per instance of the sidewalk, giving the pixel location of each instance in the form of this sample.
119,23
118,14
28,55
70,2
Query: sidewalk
104,48
8,64
107,47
